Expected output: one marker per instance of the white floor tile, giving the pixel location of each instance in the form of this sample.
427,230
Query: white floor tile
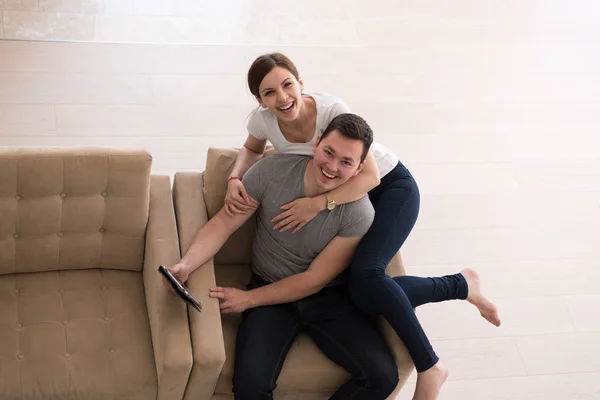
559,147
597,195
521,316
520,126
507,210
560,354
202,90
72,6
480,358
425,33
155,122
51,88
19,5
435,148
559,176
584,386
520,279
584,310
461,10
555,11
124,58
151,29
453,179
27,120
479,245
48,26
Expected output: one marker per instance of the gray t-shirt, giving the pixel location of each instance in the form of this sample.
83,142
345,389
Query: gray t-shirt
275,181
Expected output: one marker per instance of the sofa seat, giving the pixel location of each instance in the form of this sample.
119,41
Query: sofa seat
306,374
77,334
323,376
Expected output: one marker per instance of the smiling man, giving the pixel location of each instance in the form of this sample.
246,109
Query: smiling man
295,285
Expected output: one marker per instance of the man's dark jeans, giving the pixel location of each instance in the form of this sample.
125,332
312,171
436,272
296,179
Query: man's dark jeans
344,334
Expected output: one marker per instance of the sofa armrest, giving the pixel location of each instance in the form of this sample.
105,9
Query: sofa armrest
403,359
167,313
206,330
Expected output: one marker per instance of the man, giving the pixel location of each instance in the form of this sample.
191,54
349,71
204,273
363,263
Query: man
294,285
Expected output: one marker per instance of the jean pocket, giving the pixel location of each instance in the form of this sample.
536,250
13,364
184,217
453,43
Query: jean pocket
256,282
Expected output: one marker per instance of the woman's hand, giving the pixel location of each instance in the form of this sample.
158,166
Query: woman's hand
233,300
237,200
268,151
298,213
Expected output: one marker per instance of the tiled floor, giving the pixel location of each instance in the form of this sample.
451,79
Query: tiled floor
493,104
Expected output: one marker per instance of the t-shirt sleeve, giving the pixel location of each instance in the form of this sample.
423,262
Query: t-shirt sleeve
256,125
358,219
255,186
338,108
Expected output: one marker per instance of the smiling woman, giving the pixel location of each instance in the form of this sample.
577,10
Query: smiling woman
296,122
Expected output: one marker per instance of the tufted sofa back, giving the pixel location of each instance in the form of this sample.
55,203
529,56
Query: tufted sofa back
73,208
219,163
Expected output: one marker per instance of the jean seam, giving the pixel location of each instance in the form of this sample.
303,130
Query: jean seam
345,351
283,354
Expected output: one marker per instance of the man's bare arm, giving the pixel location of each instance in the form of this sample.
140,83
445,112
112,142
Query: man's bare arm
334,258
210,238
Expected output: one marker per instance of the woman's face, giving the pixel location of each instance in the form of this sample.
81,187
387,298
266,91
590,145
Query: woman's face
281,93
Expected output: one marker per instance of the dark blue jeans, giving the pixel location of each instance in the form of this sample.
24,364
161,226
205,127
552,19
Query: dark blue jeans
396,201
343,333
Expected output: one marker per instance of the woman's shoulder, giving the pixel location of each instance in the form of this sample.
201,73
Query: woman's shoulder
325,100
260,124
328,107
260,116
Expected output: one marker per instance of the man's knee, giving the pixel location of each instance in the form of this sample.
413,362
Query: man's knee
383,381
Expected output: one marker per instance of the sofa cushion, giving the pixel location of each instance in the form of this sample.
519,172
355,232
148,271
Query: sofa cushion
75,335
72,208
219,163
306,369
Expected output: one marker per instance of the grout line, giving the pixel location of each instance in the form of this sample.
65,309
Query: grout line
526,376
207,44
596,195
572,319
510,11
516,336
521,356
56,132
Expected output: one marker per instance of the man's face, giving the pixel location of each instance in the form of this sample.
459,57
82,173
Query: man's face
336,159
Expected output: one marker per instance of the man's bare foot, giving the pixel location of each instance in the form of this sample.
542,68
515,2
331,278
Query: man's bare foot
487,309
429,383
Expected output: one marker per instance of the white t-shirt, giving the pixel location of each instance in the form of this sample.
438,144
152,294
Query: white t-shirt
263,125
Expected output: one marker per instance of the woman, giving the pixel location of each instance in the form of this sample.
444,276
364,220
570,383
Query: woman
292,121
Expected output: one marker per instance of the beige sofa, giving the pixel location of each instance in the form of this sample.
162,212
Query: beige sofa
83,311
307,374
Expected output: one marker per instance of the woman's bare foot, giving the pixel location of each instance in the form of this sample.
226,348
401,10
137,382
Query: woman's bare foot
487,309
429,383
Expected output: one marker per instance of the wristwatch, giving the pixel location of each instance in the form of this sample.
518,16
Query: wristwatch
331,204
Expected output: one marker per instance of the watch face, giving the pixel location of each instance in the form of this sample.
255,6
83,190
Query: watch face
331,205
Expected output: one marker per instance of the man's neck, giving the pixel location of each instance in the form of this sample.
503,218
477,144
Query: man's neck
310,187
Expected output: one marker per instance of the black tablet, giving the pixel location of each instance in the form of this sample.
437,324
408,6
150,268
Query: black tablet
180,289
